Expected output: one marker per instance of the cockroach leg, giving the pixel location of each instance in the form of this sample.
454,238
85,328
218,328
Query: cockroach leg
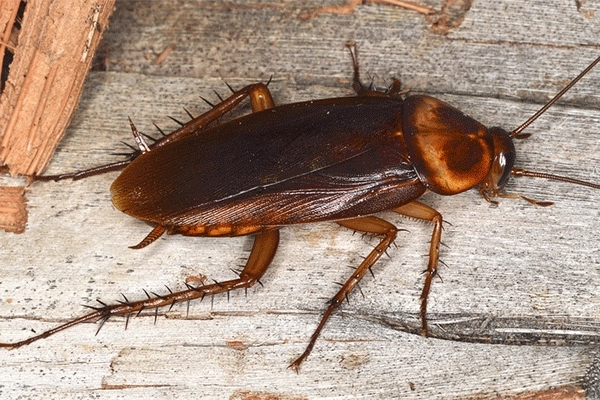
263,251
139,139
260,99
357,85
371,225
421,211
152,236
359,88
515,196
178,122
395,90
190,114
116,166
490,188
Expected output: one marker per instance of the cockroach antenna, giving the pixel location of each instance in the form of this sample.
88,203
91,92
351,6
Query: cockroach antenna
519,172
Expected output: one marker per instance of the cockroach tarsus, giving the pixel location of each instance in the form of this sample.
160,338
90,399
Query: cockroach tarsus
339,159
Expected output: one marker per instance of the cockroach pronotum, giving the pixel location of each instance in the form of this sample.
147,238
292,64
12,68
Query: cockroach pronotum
338,159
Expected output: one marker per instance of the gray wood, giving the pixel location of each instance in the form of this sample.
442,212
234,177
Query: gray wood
514,270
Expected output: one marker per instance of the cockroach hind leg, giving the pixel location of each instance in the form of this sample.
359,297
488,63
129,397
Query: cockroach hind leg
210,103
263,251
230,88
150,138
159,130
218,96
175,120
188,113
189,128
137,151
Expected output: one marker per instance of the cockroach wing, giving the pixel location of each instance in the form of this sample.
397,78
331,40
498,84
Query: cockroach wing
450,151
377,180
265,155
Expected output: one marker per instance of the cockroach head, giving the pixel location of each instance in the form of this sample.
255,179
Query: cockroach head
502,163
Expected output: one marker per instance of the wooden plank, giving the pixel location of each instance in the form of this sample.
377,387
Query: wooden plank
509,267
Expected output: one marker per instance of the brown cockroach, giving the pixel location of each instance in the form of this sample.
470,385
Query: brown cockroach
338,159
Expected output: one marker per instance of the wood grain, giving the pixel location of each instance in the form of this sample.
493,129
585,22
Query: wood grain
512,271
56,42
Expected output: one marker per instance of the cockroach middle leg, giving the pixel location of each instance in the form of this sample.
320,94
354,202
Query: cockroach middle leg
370,225
421,211
395,90
260,99
263,251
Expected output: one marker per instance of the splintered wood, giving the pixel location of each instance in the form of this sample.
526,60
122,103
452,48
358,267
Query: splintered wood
13,214
48,47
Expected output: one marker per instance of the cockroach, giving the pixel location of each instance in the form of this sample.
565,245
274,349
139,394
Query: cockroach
338,159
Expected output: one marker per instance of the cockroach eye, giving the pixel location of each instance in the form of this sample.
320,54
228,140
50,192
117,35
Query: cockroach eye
504,157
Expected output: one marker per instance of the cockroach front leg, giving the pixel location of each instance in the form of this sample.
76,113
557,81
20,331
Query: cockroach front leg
370,225
263,251
420,211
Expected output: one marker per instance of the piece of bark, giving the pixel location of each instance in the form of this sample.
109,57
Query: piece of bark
52,43
52,57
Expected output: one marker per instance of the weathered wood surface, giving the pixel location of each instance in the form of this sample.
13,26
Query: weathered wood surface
509,267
